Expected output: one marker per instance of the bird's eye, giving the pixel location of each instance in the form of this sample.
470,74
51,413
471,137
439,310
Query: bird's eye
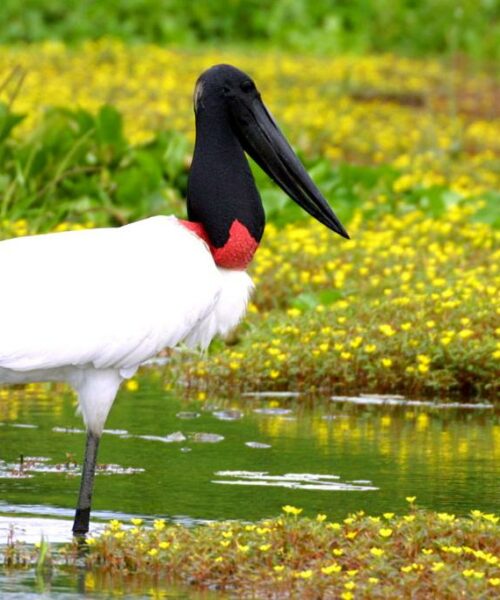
247,86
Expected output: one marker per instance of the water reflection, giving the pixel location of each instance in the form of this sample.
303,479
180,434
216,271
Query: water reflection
164,456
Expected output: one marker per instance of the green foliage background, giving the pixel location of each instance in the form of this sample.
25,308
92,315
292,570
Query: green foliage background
404,26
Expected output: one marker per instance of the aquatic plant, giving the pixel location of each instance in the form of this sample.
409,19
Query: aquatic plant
406,151
421,553
410,305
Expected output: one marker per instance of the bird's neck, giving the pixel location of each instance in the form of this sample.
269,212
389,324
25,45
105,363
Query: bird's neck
224,206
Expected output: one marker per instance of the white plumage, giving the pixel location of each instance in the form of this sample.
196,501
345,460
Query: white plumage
88,307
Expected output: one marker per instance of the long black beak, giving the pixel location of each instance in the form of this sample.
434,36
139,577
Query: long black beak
262,139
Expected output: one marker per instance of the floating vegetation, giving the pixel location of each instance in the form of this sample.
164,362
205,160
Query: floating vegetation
29,465
388,400
228,415
295,481
206,438
258,445
273,411
188,415
172,438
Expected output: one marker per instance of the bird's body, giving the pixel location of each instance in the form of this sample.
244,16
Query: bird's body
88,307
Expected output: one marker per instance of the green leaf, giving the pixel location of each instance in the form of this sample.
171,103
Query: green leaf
8,120
109,125
490,213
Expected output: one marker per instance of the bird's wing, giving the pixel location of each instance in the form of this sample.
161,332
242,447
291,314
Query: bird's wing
106,297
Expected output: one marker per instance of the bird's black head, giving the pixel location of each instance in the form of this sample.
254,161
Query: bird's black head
231,117
221,86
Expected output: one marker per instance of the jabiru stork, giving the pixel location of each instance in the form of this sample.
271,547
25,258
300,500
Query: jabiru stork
88,307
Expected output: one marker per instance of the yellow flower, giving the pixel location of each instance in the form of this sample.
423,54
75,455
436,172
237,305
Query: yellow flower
349,585
386,362
132,385
291,510
377,551
495,581
265,547
320,518
153,552
333,568
278,568
159,524
356,342
347,595
387,330
373,580
437,566
388,515
491,518
164,545
424,359
337,552
411,499
385,532
137,522
304,574
446,517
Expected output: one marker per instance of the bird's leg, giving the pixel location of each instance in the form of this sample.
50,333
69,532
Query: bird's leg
82,514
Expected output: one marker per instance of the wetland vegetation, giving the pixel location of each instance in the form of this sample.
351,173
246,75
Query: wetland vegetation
395,113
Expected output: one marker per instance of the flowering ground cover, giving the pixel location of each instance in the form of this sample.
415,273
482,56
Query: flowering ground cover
410,306
405,150
420,554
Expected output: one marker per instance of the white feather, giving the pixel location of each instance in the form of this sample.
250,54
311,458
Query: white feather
88,307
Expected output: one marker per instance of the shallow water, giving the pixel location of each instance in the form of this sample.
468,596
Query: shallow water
192,461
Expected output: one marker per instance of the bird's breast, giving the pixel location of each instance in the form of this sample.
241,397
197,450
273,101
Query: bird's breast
237,252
